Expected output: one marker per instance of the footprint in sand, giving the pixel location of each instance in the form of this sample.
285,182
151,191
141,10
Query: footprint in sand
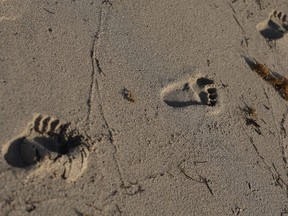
275,27
195,91
48,146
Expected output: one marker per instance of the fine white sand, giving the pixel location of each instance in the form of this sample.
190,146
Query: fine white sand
124,107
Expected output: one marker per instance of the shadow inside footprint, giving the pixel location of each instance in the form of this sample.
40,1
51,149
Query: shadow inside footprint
12,155
47,137
181,97
48,142
275,27
202,81
179,104
204,97
212,96
194,92
60,146
272,31
23,152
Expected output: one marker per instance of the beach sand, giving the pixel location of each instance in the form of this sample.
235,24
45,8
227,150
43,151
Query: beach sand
124,107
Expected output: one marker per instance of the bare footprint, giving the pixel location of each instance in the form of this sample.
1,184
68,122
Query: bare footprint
195,91
275,27
48,146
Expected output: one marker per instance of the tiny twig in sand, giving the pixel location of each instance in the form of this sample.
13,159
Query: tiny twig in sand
205,181
202,179
239,24
48,11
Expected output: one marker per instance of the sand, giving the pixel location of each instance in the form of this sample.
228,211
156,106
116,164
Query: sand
124,107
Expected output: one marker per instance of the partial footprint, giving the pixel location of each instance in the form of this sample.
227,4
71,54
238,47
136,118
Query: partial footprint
195,91
275,27
48,146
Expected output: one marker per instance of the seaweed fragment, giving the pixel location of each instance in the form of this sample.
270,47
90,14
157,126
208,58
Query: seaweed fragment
127,95
279,82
